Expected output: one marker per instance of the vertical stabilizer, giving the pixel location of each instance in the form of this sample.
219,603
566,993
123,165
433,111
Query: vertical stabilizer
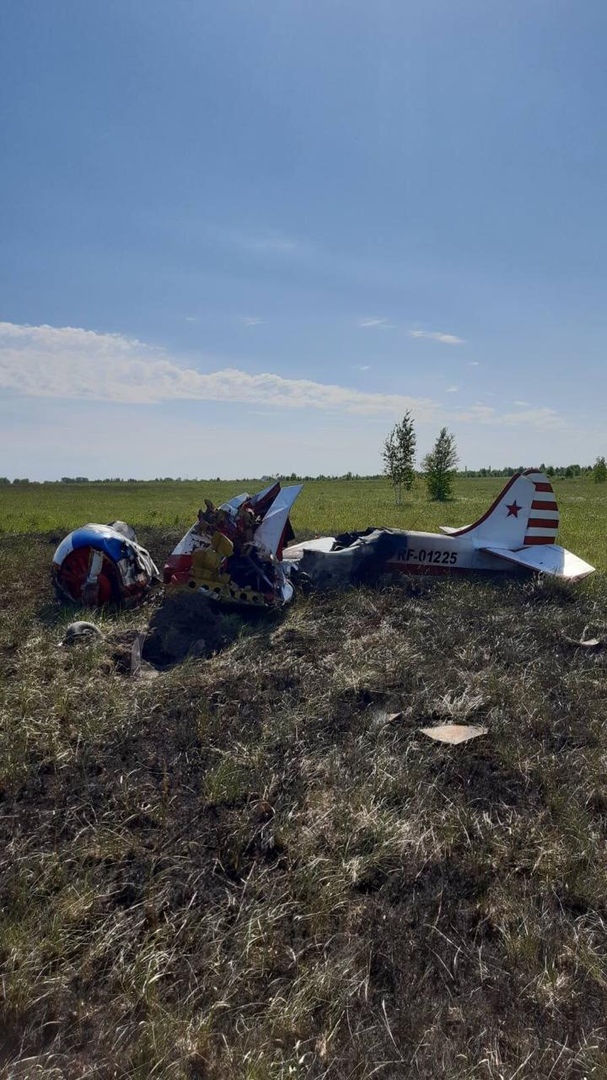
524,514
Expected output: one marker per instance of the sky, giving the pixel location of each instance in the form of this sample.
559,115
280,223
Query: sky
243,238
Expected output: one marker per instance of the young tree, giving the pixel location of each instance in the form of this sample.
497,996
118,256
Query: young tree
439,466
399,454
599,472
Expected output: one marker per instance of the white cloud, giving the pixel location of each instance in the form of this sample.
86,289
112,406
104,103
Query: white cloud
376,324
363,367
68,362
251,320
473,363
451,389
540,418
191,318
481,413
435,335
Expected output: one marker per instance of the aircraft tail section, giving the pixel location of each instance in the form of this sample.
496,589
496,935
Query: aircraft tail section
525,514
545,559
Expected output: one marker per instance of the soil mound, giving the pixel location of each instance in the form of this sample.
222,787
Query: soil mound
184,625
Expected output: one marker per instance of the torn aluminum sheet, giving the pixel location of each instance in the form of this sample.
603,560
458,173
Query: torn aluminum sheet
516,535
233,554
101,564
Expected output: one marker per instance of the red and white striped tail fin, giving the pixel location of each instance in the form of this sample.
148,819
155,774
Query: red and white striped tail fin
524,513
543,523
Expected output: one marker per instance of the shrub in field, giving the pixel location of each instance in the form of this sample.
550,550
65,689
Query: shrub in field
399,454
439,466
599,472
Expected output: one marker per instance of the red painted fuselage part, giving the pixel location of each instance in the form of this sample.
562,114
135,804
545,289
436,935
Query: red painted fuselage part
74,571
177,570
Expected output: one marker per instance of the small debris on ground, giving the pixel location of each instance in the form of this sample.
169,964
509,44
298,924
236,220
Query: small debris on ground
380,718
587,643
453,733
81,631
140,669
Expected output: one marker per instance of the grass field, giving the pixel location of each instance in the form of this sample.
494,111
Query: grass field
324,506
255,866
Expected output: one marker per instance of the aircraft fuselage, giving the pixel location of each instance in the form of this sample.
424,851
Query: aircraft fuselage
434,553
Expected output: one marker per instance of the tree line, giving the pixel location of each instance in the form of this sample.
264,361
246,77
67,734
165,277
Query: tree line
438,468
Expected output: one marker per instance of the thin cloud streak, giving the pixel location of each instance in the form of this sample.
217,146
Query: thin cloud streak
376,324
435,335
541,418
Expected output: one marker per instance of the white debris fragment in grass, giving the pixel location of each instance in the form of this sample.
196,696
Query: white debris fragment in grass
453,733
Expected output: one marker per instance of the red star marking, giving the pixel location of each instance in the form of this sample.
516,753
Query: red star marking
513,510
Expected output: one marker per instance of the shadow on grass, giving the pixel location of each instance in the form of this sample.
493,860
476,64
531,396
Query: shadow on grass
188,625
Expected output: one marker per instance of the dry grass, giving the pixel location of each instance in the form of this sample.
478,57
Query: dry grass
248,868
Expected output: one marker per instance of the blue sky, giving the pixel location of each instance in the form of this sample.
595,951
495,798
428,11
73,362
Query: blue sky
242,238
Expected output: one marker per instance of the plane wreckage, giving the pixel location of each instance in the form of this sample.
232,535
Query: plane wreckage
103,564
232,554
516,534
236,554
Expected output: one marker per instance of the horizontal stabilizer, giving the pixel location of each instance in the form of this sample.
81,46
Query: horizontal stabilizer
448,530
544,559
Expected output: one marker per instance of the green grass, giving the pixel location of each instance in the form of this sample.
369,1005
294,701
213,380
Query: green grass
324,506
254,865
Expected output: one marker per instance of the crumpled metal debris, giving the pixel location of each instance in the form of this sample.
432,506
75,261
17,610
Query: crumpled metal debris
233,553
100,564
348,559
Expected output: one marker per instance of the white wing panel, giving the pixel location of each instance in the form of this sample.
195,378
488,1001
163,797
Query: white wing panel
545,559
